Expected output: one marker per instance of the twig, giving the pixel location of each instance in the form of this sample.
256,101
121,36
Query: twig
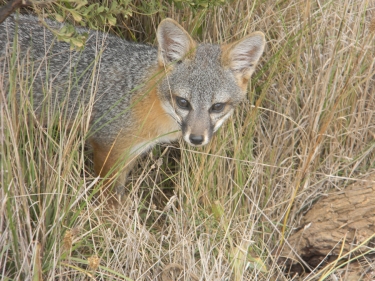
11,6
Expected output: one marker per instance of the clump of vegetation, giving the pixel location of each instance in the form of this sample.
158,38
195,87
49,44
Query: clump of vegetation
213,213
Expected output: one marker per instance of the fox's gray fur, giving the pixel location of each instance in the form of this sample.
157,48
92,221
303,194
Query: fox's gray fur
121,70
143,94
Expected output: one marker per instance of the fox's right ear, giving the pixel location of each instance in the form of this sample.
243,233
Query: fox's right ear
242,56
174,42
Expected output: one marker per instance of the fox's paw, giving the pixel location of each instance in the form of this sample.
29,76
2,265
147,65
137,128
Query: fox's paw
120,190
120,193
116,197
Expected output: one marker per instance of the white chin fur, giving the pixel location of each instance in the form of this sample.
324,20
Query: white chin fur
222,120
170,110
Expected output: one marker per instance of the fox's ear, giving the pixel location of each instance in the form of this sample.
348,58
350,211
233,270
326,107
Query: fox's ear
174,42
243,55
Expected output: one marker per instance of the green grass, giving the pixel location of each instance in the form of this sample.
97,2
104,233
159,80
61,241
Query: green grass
218,212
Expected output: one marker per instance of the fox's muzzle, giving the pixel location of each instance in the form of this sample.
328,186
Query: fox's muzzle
197,129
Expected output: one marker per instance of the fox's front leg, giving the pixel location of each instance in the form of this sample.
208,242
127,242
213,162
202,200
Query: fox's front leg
113,163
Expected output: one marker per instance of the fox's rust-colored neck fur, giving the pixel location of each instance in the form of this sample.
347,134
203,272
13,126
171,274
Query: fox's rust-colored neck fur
152,120
151,125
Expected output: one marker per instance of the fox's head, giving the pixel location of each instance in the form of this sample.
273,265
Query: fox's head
204,82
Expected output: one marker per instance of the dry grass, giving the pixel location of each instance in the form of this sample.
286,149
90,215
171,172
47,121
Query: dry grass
217,213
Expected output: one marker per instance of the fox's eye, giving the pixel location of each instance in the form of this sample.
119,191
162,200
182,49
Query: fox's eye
217,107
184,104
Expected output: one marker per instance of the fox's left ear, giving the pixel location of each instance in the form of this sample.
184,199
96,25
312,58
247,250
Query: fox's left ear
243,55
175,43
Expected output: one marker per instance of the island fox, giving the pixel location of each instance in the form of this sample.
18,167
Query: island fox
139,95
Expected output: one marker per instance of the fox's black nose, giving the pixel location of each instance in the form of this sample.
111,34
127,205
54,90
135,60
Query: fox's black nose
196,139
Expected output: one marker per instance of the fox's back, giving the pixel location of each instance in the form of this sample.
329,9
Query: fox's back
108,68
